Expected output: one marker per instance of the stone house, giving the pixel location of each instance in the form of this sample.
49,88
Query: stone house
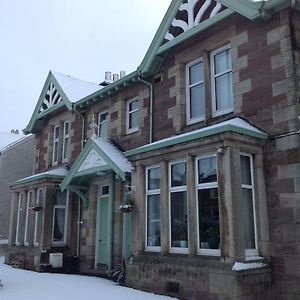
16,161
188,167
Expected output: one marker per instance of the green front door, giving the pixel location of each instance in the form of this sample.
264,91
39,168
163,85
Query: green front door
102,213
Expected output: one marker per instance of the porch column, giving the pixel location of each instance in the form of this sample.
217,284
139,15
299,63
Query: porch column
192,205
230,195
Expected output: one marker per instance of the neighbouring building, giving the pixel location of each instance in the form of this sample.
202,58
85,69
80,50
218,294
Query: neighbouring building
16,161
188,167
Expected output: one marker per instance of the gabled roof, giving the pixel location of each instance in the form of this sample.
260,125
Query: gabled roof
59,90
98,155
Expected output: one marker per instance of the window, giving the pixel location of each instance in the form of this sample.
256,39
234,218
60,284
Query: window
37,222
249,218
178,207
103,125
208,206
221,71
66,139
153,230
19,218
132,115
195,91
28,217
55,145
60,217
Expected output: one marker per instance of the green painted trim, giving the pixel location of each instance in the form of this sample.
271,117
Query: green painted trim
35,178
34,124
159,37
200,27
91,171
206,132
126,244
108,90
111,198
82,196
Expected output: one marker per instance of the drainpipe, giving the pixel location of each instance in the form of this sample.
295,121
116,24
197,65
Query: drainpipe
79,221
150,85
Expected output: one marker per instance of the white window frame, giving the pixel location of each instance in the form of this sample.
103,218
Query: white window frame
28,218
251,252
216,112
21,199
174,190
103,122
149,193
66,141
190,120
209,185
38,216
64,241
128,114
55,141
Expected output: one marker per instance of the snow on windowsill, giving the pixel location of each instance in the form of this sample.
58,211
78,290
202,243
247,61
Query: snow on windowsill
247,266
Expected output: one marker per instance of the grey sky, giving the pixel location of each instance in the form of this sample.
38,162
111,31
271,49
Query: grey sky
81,38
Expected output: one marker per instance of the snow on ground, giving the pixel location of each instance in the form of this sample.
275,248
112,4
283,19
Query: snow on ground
27,285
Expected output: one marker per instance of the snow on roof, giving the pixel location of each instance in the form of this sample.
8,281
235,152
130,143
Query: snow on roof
247,266
75,89
114,154
7,139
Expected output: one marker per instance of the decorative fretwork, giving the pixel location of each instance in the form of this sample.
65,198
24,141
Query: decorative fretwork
190,14
52,97
93,160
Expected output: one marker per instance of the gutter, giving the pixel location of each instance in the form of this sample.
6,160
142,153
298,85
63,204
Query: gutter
151,95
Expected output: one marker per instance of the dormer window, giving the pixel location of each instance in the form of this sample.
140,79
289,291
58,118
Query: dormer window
103,124
132,115
195,92
221,76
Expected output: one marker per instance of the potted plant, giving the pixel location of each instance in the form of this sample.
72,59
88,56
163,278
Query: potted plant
126,207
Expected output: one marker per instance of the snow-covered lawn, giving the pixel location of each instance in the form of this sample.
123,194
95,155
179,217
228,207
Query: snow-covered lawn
27,285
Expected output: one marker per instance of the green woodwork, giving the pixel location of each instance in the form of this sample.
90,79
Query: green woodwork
110,211
206,132
126,244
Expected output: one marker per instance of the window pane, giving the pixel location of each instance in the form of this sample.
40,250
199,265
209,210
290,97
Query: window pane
103,117
179,225
59,224
66,128
153,220
196,73
222,62
60,198
245,170
154,179
55,157
66,143
37,232
209,228
134,120
178,174
207,170
224,97
133,105
248,219
103,130
197,106
56,132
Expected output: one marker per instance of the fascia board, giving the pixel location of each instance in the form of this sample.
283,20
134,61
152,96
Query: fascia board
35,178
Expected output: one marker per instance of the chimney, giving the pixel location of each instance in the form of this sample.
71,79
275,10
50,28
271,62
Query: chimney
107,79
115,77
122,74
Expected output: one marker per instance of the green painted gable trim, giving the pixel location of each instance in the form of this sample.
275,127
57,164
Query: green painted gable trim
193,136
200,27
82,194
73,173
35,178
36,121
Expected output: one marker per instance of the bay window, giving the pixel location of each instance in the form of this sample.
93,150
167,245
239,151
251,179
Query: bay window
19,218
37,221
208,206
59,231
178,207
28,219
249,217
153,230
